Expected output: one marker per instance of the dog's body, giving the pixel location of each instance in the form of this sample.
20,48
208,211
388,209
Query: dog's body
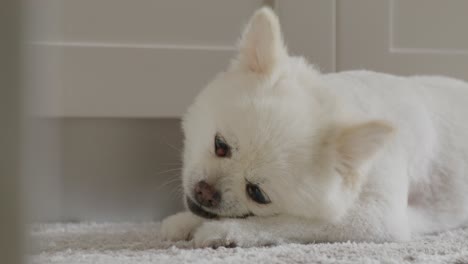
277,152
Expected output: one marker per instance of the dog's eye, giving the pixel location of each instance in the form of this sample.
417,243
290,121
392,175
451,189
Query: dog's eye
256,194
222,149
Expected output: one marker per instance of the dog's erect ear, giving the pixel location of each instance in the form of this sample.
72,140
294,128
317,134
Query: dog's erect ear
356,144
261,46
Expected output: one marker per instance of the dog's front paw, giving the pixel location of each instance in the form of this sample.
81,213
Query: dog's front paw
216,234
231,233
179,226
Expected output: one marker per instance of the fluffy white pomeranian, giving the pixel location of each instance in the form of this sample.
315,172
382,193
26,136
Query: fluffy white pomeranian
276,152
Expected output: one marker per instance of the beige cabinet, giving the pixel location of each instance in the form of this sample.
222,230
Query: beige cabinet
404,37
149,58
120,58
394,36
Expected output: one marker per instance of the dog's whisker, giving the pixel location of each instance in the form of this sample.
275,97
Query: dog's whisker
176,191
171,181
172,163
169,170
179,150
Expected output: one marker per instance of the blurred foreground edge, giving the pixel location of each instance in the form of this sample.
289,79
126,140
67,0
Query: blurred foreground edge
10,224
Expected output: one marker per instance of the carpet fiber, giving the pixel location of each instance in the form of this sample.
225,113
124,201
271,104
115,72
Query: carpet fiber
139,243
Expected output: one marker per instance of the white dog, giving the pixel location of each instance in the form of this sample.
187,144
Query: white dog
277,152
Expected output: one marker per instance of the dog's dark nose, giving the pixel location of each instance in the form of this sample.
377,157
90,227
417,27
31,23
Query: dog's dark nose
206,194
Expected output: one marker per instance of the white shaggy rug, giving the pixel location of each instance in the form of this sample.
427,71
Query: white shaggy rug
139,243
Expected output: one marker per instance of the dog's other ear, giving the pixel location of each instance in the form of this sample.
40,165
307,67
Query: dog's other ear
357,144
261,46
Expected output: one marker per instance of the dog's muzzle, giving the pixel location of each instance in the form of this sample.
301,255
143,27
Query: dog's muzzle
198,209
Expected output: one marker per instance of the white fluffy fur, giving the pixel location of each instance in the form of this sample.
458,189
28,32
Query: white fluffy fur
359,156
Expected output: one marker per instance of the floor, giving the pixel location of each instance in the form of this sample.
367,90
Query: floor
140,243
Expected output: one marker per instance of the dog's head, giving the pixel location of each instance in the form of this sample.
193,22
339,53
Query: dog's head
265,138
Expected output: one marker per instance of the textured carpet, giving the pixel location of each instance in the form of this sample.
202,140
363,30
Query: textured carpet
139,243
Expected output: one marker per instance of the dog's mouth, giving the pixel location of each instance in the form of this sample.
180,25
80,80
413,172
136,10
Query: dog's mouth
198,210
